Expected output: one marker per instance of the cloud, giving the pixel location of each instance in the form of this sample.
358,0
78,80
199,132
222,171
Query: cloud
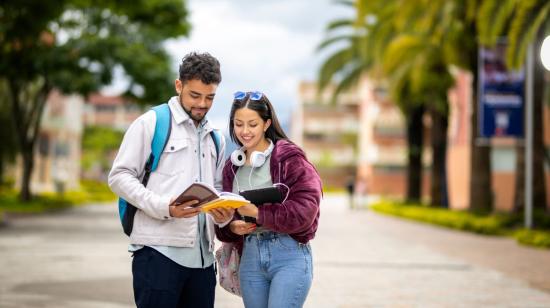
262,45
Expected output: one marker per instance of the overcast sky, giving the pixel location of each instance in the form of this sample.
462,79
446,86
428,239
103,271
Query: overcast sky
262,45
268,45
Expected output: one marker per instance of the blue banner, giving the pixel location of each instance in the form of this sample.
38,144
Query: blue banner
501,95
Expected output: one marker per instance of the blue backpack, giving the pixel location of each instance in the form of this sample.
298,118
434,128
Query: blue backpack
160,139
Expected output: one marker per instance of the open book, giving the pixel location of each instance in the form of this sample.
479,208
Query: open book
209,198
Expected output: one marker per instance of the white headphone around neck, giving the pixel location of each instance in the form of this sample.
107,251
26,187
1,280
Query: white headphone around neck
257,158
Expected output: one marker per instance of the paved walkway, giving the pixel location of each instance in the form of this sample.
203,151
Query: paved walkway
77,259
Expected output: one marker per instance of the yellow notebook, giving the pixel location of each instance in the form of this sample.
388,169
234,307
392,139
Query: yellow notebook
224,201
209,198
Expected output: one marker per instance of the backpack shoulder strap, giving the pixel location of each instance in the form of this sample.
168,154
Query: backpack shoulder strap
163,127
216,138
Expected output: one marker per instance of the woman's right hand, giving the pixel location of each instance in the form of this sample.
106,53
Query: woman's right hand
241,227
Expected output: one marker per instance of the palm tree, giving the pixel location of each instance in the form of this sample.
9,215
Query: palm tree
522,23
451,25
413,62
415,70
365,39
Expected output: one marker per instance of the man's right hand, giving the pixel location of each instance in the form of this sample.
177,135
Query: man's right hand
184,210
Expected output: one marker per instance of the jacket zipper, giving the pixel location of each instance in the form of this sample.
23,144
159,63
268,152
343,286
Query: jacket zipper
200,150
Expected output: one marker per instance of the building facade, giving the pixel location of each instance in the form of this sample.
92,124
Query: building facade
503,152
110,111
328,133
380,153
58,148
58,151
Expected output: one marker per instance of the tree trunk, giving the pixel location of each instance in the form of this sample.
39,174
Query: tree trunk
415,140
519,195
438,188
27,108
2,176
481,194
28,164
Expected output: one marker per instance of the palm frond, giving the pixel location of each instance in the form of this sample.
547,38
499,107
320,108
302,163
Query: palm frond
493,18
530,16
349,3
470,9
340,23
404,48
351,79
334,64
336,39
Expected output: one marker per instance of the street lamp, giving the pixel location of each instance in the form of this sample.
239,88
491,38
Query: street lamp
545,59
545,53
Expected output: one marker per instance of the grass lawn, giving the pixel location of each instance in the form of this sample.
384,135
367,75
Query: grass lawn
90,192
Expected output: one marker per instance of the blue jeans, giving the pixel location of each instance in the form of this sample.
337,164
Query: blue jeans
275,271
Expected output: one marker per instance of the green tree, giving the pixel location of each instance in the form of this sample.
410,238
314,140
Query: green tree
98,143
522,23
75,46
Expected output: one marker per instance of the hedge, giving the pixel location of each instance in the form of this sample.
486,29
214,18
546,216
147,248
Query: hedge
490,224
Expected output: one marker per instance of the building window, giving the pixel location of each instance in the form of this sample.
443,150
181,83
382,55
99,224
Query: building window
44,145
105,108
503,159
61,149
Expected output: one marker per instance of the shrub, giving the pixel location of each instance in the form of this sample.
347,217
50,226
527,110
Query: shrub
492,224
97,191
535,238
91,192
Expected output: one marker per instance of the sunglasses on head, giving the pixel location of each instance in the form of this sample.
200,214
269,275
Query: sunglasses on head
254,95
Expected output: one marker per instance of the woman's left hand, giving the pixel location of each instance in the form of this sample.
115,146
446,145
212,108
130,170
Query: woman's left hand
248,210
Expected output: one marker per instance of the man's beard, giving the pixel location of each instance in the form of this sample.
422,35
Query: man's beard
192,116
198,119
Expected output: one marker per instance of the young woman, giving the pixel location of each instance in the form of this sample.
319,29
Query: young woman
276,262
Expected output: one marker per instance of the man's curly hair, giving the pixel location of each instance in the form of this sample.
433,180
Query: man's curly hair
201,66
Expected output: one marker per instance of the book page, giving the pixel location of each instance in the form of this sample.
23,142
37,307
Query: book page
229,194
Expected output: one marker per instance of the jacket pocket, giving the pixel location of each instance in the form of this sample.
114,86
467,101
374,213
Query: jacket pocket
178,232
175,157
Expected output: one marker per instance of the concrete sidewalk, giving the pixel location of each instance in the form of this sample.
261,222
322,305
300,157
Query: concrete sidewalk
77,258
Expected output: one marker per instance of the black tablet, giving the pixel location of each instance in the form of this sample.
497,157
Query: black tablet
262,195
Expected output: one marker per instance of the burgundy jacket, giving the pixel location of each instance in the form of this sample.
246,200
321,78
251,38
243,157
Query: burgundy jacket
298,216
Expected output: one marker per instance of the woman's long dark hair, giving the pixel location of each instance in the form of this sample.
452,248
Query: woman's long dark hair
264,109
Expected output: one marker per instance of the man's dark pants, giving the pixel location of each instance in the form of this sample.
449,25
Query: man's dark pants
160,282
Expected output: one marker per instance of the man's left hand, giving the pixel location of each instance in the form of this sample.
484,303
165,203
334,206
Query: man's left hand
221,214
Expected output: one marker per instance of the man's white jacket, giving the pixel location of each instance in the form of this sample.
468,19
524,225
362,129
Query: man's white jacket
189,156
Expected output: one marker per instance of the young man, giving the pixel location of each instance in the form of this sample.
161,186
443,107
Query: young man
173,245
